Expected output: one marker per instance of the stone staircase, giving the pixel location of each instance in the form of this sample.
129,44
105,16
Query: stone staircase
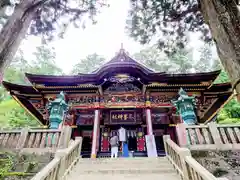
123,168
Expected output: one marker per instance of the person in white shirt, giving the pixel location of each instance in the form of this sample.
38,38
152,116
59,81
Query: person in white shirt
114,146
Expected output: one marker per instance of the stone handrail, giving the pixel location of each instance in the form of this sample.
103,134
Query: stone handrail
10,138
62,163
27,139
211,136
187,167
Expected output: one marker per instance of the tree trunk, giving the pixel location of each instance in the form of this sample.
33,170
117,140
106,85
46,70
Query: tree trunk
14,31
224,22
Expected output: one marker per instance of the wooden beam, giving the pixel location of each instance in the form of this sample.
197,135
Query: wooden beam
210,118
21,104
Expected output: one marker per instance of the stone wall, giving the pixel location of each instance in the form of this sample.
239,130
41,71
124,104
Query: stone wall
16,165
220,163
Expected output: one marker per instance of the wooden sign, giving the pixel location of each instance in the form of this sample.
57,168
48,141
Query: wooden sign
122,117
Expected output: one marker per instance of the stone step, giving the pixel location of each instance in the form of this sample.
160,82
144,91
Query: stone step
123,163
123,168
124,160
131,170
165,176
126,165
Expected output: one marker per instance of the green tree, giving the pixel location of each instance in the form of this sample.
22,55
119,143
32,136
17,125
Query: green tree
12,115
222,78
44,62
207,62
15,72
170,21
230,113
153,58
47,18
182,59
88,64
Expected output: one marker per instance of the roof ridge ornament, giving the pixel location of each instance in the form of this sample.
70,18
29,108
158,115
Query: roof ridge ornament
122,50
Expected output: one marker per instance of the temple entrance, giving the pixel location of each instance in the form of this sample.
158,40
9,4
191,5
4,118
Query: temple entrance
132,143
159,143
87,144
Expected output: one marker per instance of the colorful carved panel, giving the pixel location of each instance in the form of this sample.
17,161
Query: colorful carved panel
140,140
161,99
81,101
38,104
160,118
69,119
121,87
105,140
130,100
175,119
84,117
208,101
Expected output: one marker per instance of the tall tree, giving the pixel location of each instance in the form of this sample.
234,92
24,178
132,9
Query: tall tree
44,62
88,64
46,17
173,19
179,62
207,62
183,60
153,58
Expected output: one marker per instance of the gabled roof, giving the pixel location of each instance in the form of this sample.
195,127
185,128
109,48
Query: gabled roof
122,59
122,63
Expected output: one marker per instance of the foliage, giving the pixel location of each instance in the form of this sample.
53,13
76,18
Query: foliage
14,116
207,63
182,60
43,63
222,78
15,165
11,114
171,20
54,16
88,64
153,58
179,62
231,111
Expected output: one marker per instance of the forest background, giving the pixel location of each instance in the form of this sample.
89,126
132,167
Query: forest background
12,115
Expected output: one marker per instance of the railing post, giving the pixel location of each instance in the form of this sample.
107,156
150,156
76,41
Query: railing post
215,133
23,138
80,145
65,137
181,132
165,139
183,153
61,154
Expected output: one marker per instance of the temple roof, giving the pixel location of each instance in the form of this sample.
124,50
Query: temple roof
122,63
120,66
122,59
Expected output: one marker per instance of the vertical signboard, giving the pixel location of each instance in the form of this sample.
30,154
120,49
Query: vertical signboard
151,146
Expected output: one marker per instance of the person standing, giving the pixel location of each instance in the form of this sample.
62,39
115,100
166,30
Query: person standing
114,146
123,139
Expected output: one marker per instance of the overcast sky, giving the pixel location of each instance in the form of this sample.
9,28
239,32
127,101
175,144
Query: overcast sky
104,38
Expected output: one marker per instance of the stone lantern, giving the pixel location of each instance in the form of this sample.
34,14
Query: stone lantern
185,106
57,109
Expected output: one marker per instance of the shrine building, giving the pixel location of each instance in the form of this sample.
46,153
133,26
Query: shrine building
121,93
